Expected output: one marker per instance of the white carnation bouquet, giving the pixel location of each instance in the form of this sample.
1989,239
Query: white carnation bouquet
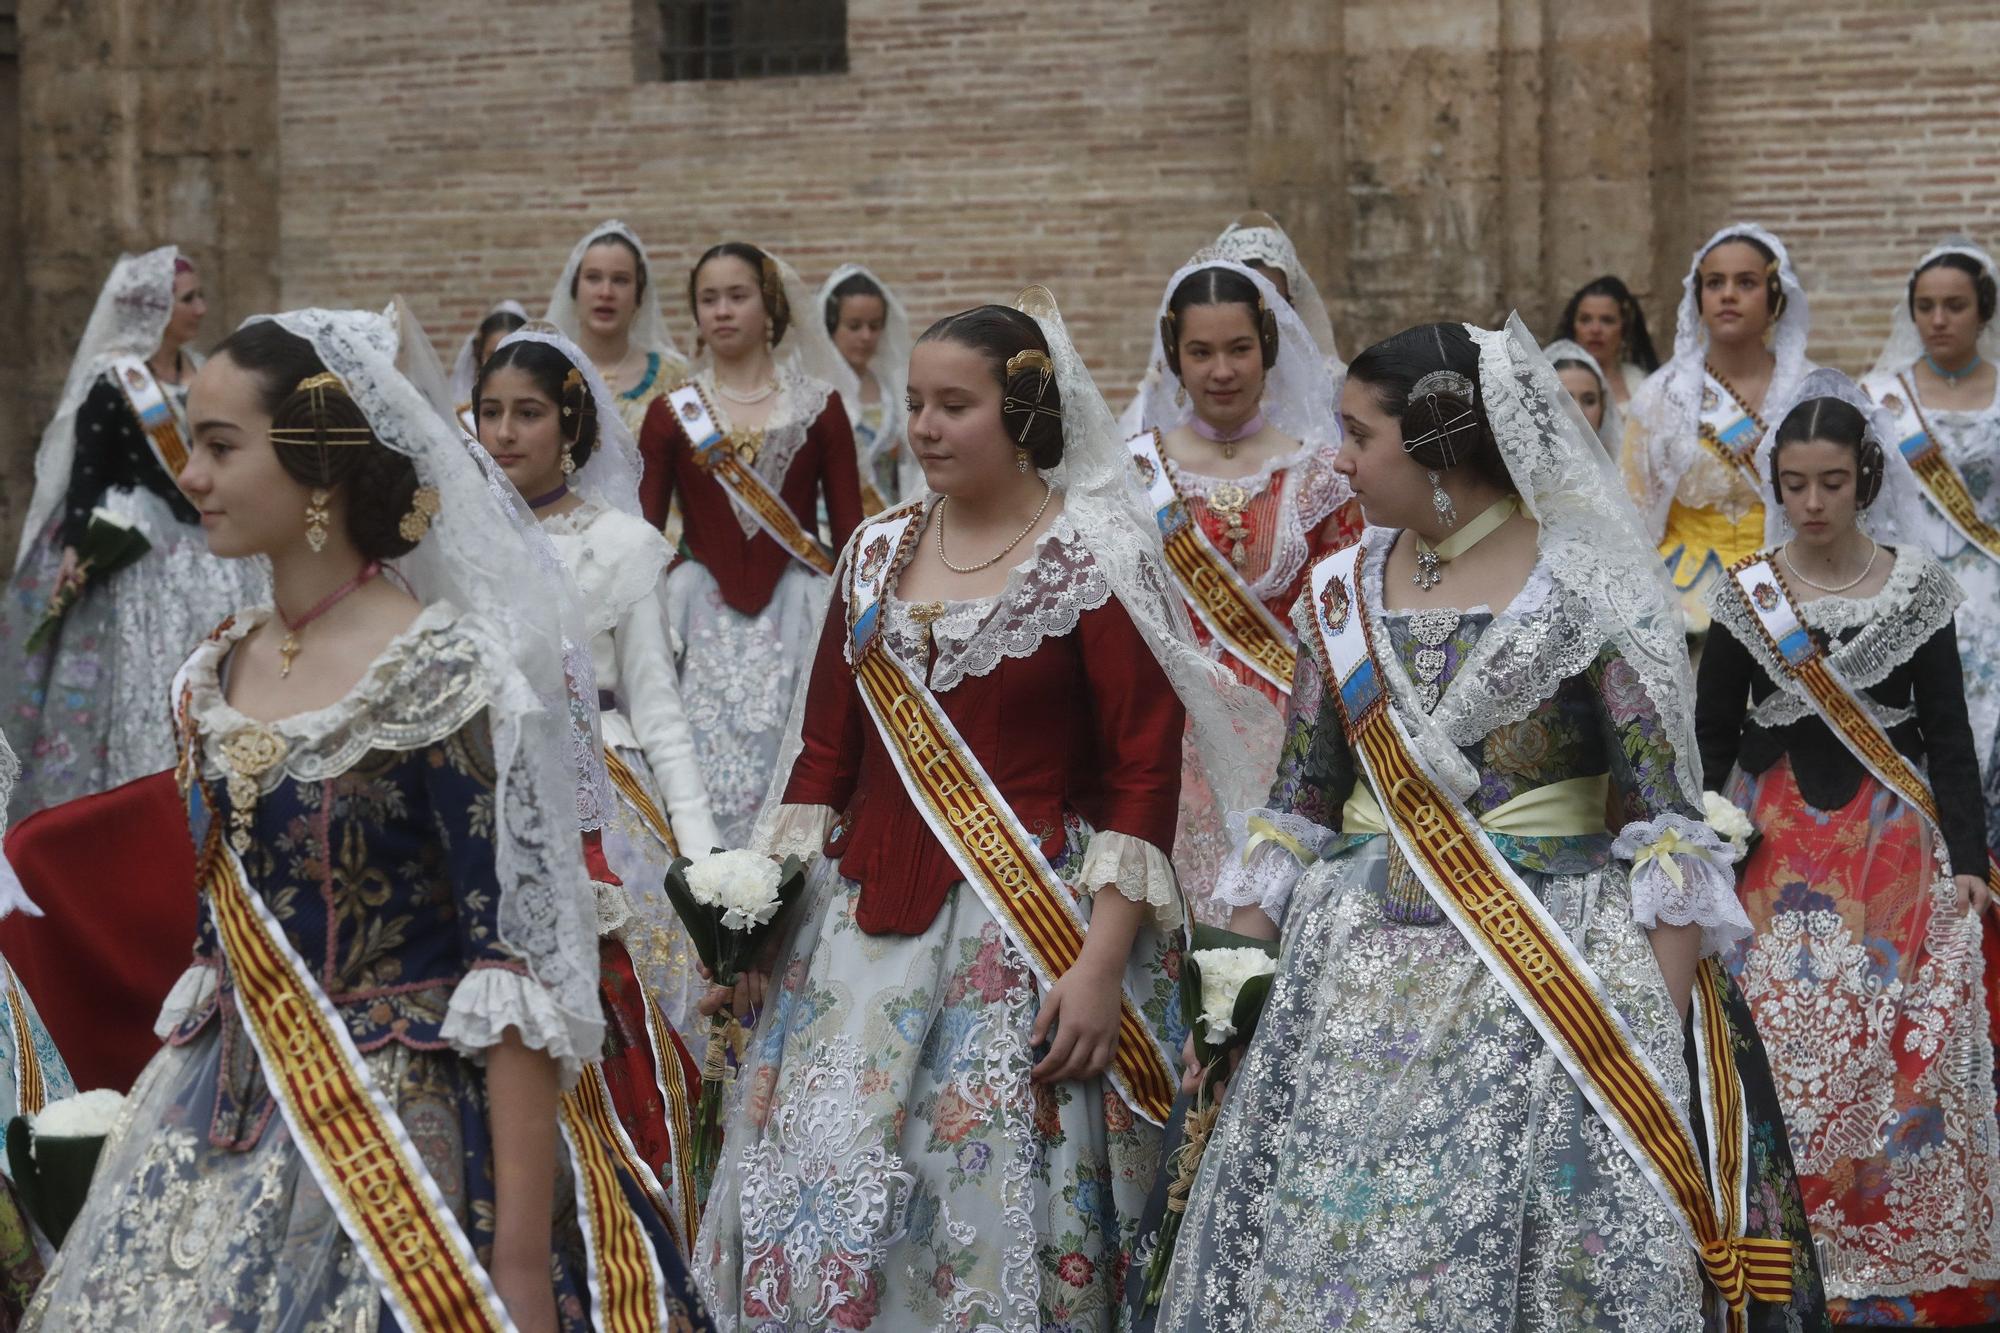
728,902
51,1156
1730,822
1225,980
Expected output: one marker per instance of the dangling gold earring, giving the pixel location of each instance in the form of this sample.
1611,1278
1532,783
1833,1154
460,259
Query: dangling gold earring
568,460
1180,394
1021,459
317,517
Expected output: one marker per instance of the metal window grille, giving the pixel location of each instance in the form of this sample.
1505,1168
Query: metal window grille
751,39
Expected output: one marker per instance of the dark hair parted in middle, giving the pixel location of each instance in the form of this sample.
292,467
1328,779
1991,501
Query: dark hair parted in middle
1983,289
560,381
1031,401
1638,344
1835,421
854,284
617,239
379,482
1774,286
1217,286
1391,370
501,322
776,308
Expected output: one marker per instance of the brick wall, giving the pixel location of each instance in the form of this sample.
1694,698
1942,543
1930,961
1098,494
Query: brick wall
1857,130
455,150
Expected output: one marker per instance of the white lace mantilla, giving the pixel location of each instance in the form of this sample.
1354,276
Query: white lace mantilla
432,679
1918,599
801,399
1310,491
1045,597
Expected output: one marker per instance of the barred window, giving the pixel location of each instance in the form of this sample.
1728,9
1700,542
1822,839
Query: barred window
751,39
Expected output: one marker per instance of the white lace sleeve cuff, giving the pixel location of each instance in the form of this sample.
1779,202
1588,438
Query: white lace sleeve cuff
1140,870
1274,850
799,830
1681,876
192,993
492,999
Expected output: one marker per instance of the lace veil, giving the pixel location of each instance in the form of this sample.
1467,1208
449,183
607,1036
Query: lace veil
649,325
1299,395
13,897
891,363
1906,345
611,474
1666,412
1612,586
464,369
484,556
1898,517
1611,433
1257,236
128,319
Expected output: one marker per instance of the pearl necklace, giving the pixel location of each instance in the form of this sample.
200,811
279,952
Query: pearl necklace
1866,569
1047,493
746,399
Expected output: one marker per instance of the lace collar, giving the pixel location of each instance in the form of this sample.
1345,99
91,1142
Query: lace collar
1541,639
801,399
1044,597
1918,599
1201,483
429,681
1309,491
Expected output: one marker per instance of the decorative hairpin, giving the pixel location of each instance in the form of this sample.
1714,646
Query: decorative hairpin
1448,384
320,433
1030,359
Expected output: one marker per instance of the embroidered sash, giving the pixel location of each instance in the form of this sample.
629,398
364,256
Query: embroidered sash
642,802
995,853
1943,487
159,419
31,1086
1730,430
627,1289
1764,590
722,459
1538,965
683,1210
350,1137
1213,589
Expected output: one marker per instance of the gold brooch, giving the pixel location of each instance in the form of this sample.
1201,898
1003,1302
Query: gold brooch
746,444
248,753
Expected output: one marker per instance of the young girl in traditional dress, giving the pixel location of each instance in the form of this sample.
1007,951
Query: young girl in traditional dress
743,603
871,331
1864,972
607,302
1692,431
950,1112
359,1119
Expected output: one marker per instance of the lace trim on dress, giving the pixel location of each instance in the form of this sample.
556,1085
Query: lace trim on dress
432,679
1265,875
1141,872
798,830
801,399
1918,599
194,991
1310,491
1682,876
615,558
1045,597
490,1000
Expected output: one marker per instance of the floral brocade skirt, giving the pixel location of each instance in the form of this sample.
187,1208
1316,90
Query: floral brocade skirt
89,711
1868,987
890,1166
1400,1150
204,1215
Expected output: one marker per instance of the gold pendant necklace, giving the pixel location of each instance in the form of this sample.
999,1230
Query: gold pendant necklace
1431,560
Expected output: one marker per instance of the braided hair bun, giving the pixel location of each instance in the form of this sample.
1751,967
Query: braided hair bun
1031,409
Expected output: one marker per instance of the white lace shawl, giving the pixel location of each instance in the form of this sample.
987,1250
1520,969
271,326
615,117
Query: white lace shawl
1918,599
1899,516
649,326
1258,237
1611,427
12,896
1310,490
890,365
465,366
1662,440
1906,345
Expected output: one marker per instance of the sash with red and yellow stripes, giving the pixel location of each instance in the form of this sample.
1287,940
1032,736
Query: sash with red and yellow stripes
1763,589
634,791
728,460
627,1288
1213,590
31,1085
159,420
1555,988
1942,485
995,853
351,1138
